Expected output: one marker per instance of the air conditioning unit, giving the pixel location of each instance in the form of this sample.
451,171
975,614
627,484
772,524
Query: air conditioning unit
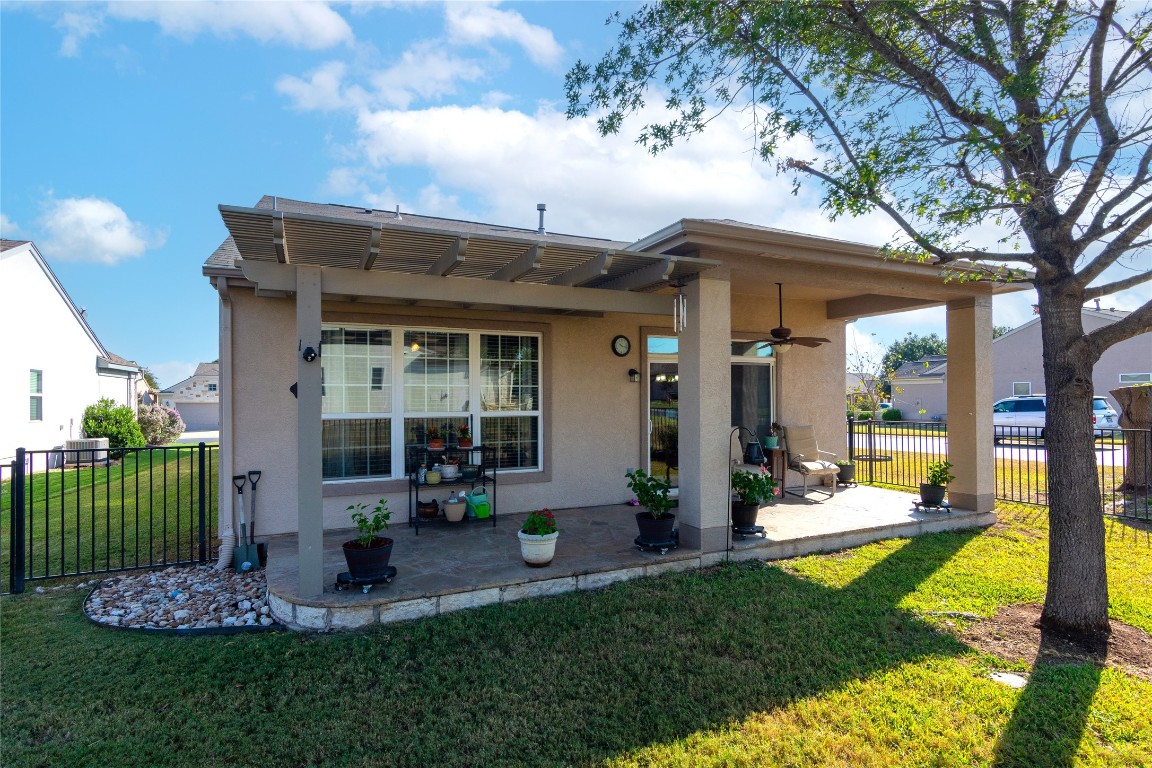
87,451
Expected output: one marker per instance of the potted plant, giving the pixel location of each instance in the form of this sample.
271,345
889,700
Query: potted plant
538,538
772,440
847,473
368,554
933,489
656,523
435,438
464,436
753,490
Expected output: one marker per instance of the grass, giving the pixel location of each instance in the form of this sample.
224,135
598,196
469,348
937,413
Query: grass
824,660
139,510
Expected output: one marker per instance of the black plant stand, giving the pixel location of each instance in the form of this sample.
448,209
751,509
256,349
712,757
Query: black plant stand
663,547
346,580
941,507
744,531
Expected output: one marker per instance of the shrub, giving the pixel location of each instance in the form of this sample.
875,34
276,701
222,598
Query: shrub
864,416
115,422
891,414
159,425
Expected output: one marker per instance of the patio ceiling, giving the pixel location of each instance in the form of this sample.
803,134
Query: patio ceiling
380,243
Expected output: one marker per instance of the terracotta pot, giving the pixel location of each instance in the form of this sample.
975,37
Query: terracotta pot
368,562
537,551
464,442
436,443
454,513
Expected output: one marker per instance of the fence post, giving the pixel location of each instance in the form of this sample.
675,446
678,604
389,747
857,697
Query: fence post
851,438
16,562
871,453
202,485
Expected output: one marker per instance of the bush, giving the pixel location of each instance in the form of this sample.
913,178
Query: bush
891,414
864,416
115,422
159,425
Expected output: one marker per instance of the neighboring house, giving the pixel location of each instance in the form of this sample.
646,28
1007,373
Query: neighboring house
920,388
345,333
860,389
196,398
1017,367
55,366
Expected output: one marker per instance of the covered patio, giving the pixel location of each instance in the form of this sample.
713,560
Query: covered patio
450,567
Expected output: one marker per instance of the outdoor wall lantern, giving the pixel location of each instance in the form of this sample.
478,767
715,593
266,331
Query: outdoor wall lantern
633,374
309,354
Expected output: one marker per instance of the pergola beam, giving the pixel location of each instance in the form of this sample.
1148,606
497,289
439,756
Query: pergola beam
595,267
451,259
279,240
521,265
373,250
657,272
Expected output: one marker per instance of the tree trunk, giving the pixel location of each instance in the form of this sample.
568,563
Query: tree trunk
1135,414
1077,597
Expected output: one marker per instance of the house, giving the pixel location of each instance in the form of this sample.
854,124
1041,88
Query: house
1018,367
346,332
920,388
196,398
55,365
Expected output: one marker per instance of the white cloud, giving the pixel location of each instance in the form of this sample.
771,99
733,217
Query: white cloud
76,27
424,71
312,25
323,90
8,228
94,230
478,23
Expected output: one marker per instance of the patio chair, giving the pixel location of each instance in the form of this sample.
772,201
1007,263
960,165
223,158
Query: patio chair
804,457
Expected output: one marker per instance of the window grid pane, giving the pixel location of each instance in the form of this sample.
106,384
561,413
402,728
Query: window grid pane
352,362
515,439
436,373
36,382
509,372
35,408
356,448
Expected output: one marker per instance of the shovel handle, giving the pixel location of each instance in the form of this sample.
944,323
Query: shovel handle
238,481
254,477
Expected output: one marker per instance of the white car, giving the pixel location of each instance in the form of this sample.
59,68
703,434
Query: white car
1019,416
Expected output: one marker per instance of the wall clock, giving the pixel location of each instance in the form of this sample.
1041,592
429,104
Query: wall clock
621,346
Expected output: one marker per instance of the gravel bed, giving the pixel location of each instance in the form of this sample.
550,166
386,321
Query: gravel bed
182,598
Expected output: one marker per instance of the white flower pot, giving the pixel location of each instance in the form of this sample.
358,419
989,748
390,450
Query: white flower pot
537,551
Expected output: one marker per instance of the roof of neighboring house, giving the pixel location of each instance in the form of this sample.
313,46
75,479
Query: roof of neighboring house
203,370
104,358
1111,315
927,367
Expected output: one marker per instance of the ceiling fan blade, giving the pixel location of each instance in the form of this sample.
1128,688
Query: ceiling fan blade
808,341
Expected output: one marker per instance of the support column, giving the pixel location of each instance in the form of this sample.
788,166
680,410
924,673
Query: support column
970,444
309,479
705,412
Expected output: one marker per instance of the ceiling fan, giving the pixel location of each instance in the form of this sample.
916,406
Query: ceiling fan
782,337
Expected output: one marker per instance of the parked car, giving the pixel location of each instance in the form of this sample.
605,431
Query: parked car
1018,416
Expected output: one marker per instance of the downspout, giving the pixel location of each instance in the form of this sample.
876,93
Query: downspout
224,490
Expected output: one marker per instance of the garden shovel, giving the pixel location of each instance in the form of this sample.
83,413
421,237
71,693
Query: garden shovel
261,547
244,556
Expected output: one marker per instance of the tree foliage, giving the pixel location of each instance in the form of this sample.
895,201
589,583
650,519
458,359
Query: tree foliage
911,348
159,425
1031,119
116,422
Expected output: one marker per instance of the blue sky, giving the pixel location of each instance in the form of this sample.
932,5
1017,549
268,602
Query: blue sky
126,124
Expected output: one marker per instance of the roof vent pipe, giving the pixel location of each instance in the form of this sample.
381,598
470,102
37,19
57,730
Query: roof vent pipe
541,207
397,211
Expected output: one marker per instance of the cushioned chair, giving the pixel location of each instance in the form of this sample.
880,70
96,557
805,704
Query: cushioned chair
804,457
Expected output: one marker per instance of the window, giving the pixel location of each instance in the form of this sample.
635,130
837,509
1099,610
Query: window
1136,378
1021,388
1030,406
36,396
384,389
211,387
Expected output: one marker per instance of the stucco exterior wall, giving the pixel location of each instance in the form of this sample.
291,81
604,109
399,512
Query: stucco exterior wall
593,415
49,339
1018,357
913,395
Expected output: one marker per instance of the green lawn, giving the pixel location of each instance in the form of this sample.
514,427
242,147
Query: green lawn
824,660
139,510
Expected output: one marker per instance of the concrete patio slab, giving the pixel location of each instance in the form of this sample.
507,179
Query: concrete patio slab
455,566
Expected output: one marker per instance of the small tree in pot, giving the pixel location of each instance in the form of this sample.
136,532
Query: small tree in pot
657,522
754,489
933,489
368,554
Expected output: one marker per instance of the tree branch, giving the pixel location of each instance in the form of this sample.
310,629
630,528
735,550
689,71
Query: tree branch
1099,291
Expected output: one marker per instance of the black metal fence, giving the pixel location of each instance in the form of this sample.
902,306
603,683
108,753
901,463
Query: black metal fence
76,512
898,453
